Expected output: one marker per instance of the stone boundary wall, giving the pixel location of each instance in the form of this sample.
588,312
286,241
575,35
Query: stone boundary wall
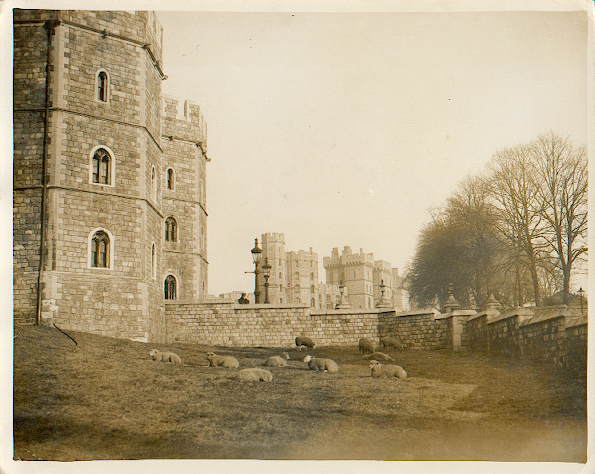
230,324
555,335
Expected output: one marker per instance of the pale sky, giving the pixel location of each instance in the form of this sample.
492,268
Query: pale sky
346,128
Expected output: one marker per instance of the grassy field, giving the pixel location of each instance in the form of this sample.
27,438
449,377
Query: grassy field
108,400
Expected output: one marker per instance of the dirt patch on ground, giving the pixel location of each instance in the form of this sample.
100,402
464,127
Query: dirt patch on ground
108,400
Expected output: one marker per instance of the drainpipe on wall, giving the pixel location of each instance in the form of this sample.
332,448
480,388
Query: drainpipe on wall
49,25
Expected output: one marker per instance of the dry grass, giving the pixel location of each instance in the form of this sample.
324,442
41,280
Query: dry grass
108,400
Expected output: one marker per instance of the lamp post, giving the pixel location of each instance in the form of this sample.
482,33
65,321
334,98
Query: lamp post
256,256
266,268
341,289
383,302
581,292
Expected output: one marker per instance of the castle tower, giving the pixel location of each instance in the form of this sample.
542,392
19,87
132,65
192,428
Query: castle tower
302,272
93,247
273,249
183,172
356,272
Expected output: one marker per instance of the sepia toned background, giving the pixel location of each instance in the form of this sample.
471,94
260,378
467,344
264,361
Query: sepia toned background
339,121
348,128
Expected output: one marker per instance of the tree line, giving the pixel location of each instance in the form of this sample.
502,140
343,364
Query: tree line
517,230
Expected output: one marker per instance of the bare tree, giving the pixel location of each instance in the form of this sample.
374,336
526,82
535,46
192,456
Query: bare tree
561,174
512,185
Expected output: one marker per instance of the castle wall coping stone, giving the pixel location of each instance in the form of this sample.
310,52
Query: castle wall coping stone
522,313
542,319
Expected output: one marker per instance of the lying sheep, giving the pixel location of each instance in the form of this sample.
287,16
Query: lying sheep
165,357
325,365
393,342
379,370
277,361
366,346
255,375
378,356
228,362
304,341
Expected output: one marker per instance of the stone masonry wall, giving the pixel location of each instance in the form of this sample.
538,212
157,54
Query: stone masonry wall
232,324
30,53
544,341
576,350
416,330
554,335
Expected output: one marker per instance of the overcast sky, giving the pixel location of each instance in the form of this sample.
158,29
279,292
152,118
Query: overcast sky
346,128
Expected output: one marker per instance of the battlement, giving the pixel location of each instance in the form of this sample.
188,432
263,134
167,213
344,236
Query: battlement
348,258
183,119
358,259
302,254
273,237
141,27
382,265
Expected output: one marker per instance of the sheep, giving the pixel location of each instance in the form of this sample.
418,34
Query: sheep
302,348
304,341
277,361
325,365
393,342
255,375
228,362
378,370
378,356
366,346
165,357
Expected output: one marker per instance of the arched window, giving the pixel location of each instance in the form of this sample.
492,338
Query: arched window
153,261
170,179
313,303
171,229
169,287
102,166
100,250
102,86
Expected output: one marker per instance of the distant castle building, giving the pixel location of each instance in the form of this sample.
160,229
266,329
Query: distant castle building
110,215
293,275
355,271
362,276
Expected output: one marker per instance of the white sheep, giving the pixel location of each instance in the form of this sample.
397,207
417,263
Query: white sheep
379,370
255,375
229,362
324,365
277,361
378,356
393,342
165,357
366,346
304,341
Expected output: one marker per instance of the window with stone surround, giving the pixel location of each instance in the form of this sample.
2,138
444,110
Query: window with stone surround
169,179
169,287
102,94
101,167
100,249
171,229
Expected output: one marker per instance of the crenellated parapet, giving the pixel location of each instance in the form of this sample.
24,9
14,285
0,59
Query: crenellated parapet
183,120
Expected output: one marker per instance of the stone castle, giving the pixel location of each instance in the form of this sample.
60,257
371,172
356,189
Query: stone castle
110,215
294,277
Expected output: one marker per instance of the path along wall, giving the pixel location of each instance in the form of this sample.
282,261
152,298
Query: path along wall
231,324
554,335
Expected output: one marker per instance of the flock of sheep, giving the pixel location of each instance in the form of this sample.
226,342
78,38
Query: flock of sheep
366,347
